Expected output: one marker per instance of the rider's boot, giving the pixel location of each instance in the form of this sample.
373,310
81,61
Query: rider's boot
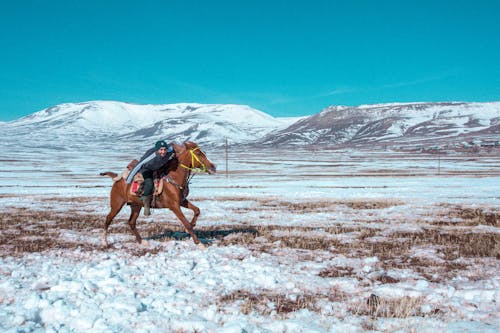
147,204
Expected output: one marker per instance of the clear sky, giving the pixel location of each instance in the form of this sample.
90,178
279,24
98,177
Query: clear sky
286,58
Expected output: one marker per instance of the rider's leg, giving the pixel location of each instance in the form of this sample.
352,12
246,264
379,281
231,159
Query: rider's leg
148,191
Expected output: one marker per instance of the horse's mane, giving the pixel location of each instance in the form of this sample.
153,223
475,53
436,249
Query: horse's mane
186,145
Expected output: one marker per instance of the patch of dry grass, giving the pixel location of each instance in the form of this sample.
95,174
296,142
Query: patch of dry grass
452,244
265,303
373,204
468,216
308,206
74,199
298,207
268,302
455,244
379,307
434,271
337,272
312,206
23,230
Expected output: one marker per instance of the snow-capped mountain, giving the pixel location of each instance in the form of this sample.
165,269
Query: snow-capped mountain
109,122
392,123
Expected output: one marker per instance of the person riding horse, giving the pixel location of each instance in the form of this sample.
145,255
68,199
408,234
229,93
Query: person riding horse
154,159
188,158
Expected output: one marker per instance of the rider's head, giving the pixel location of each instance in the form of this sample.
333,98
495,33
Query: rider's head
161,147
160,144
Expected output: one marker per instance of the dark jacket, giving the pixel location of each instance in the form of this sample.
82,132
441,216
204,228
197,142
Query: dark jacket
150,162
157,162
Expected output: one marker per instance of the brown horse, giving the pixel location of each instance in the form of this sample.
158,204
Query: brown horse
174,195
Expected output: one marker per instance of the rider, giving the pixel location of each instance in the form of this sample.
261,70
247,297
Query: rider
154,159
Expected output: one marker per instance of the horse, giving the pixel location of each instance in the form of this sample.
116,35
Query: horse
189,158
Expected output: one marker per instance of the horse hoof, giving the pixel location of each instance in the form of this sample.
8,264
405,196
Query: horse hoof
201,246
144,243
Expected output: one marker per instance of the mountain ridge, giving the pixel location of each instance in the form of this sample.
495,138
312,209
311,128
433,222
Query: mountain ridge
111,122
392,123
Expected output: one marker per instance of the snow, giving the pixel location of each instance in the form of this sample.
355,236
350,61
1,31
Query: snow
173,286
112,115
111,121
439,120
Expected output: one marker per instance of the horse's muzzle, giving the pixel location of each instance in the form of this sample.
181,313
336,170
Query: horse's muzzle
211,169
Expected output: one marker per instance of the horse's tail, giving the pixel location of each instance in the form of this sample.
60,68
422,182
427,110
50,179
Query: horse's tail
109,174
116,177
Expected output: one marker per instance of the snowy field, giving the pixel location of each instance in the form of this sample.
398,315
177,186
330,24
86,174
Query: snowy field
297,241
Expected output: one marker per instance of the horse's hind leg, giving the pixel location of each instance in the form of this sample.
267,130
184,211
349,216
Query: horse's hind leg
134,214
187,204
115,209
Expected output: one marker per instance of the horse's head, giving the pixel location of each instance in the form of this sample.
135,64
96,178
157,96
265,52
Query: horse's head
196,159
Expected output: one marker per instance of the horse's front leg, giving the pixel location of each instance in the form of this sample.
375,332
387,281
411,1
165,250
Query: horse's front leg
134,214
187,204
189,228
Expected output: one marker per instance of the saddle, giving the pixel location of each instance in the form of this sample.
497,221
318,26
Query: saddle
138,181
137,187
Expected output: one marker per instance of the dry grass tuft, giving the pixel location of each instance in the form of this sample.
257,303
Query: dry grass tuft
379,204
387,250
389,308
44,244
306,243
74,199
287,237
298,207
267,302
26,231
386,279
321,206
471,245
454,244
470,217
337,272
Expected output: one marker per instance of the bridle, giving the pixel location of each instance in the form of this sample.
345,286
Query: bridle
191,168
193,158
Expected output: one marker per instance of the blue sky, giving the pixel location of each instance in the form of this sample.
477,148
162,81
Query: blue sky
286,58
